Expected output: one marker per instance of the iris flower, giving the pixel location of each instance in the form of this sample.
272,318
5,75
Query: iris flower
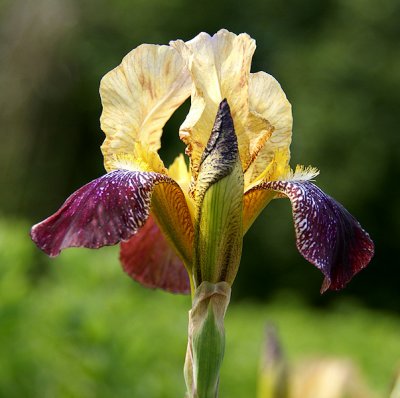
181,228
238,132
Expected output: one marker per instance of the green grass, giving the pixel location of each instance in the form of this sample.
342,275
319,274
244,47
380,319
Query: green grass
77,326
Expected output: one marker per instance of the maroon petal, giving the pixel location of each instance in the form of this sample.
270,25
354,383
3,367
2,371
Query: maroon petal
101,213
327,235
149,259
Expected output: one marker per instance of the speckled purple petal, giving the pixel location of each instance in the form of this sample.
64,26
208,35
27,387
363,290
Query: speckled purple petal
327,235
150,260
101,213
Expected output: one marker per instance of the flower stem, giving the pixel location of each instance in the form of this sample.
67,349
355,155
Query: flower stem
206,340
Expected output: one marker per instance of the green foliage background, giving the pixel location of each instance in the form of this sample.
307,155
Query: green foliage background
76,327
339,64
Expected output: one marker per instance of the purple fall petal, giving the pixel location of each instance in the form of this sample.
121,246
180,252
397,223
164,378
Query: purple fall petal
327,235
101,213
149,259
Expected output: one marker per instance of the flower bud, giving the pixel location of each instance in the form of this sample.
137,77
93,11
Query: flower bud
274,378
219,198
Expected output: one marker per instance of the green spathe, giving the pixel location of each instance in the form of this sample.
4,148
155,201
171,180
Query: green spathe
219,215
206,342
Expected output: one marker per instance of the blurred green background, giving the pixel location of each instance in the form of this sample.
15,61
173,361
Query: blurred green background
82,328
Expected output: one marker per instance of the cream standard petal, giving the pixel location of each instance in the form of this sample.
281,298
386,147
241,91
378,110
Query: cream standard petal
138,97
220,68
267,99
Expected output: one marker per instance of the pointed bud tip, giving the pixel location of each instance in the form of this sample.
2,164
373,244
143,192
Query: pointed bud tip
224,120
222,146
224,106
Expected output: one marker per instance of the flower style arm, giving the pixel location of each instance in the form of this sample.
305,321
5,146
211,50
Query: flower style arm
327,235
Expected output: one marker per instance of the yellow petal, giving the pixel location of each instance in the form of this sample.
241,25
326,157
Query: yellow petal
170,210
255,200
180,173
141,158
220,68
138,97
267,99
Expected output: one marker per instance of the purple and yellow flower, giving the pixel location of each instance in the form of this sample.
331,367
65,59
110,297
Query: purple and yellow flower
183,225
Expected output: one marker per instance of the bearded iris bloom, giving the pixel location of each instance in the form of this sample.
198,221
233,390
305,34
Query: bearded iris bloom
182,226
152,210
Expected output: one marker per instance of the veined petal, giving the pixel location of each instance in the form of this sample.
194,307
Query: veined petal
220,68
266,98
149,259
171,212
138,97
327,235
110,209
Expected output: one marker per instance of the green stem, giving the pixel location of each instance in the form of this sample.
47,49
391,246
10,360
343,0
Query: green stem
206,340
